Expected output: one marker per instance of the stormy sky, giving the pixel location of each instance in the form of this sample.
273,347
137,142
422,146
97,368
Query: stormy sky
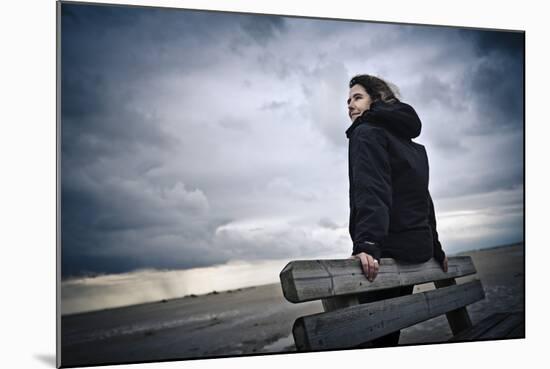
192,139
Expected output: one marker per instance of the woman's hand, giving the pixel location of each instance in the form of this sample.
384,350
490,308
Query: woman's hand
369,264
445,265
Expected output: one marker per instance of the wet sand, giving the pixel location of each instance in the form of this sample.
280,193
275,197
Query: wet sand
253,320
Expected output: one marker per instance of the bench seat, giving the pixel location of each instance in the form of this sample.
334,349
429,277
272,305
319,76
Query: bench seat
347,323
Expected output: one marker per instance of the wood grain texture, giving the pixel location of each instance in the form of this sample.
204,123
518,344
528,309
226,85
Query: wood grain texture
355,325
306,280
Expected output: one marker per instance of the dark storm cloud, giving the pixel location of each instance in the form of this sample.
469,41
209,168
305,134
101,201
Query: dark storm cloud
509,43
449,145
264,28
87,140
109,211
95,250
489,82
192,138
432,90
472,109
104,220
496,80
497,86
97,120
498,178
129,41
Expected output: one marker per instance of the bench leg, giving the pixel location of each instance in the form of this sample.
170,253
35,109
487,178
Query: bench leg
458,319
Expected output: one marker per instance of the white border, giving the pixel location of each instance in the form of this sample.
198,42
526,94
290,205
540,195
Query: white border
28,186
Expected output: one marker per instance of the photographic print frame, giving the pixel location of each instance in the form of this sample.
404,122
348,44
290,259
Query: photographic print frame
283,184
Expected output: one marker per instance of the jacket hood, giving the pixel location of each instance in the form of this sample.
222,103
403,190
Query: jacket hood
399,118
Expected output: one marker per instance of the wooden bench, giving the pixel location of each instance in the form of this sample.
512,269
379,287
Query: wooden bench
346,323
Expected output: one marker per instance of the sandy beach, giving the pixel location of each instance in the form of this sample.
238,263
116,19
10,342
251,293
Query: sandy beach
253,320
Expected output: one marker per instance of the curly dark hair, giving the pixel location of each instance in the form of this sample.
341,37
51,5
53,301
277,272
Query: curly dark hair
377,88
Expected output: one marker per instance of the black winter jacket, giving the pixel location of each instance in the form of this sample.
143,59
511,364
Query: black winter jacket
391,211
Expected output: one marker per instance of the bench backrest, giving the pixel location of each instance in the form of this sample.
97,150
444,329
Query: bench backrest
346,323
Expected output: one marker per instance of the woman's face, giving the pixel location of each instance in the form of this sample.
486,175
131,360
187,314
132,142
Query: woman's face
358,102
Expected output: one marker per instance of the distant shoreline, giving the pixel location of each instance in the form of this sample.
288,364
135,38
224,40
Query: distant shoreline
490,248
163,299
96,275
191,296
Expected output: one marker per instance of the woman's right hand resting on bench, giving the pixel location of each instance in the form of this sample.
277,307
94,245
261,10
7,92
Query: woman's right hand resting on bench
369,264
445,265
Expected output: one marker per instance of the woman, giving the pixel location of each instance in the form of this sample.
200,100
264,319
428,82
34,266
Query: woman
391,211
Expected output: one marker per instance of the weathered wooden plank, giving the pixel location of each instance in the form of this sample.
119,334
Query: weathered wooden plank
306,280
458,319
355,325
478,329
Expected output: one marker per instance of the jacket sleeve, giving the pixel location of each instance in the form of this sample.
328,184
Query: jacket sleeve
439,254
371,181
